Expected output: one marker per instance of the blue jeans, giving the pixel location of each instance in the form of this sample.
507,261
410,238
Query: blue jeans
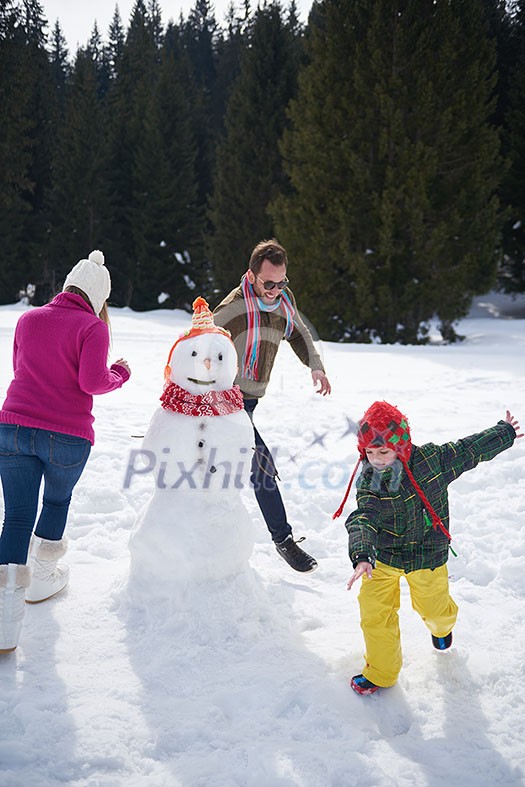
263,478
27,455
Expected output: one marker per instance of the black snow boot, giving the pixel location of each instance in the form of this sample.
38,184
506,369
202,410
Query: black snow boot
295,556
442,643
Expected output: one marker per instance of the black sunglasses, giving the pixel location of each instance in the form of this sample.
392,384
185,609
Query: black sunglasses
271,285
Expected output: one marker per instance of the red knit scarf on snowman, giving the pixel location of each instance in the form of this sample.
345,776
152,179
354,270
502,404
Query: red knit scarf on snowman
178,400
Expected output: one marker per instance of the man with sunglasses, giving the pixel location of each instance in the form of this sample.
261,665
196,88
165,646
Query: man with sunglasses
259,314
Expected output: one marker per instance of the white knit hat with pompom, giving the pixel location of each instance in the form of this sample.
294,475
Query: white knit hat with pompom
92,277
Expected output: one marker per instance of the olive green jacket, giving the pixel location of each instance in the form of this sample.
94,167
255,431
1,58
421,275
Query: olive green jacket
389,523
231,314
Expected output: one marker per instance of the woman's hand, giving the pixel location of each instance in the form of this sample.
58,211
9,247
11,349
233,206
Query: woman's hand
125,364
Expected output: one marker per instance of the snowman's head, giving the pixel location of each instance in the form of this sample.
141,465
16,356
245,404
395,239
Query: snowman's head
204,363
203,358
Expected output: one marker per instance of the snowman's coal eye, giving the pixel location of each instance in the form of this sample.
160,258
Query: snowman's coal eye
220,356
194,353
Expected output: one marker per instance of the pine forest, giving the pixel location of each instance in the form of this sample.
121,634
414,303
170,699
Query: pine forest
382,142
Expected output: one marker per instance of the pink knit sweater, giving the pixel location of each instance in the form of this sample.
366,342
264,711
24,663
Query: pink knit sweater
60,360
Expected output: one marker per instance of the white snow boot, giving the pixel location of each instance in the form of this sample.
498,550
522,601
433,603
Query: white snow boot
47,577
14,579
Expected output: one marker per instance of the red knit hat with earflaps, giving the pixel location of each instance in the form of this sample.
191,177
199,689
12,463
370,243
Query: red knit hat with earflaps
385,425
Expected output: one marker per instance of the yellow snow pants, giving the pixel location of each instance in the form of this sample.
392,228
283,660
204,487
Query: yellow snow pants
379,600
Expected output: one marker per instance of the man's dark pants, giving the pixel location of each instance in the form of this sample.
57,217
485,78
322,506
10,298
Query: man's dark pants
263,478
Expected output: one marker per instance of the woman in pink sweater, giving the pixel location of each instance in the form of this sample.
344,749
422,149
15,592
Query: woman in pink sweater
46,431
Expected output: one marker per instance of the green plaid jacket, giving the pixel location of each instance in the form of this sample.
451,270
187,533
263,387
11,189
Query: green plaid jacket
390,523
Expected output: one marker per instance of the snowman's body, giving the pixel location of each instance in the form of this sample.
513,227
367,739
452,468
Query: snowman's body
195,528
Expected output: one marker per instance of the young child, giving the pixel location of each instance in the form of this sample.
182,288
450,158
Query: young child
400,527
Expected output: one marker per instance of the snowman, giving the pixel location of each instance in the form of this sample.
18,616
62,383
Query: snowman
195,528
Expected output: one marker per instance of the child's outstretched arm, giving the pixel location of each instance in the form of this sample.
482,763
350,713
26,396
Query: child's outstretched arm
513,422
457,457
362,568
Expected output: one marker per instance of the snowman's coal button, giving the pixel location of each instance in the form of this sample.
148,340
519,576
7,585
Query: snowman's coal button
201,443
213,469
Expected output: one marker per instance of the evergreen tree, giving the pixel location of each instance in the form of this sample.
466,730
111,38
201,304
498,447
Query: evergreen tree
115,46
249,171
80,203
15,151
175,94
167,224
512,273
500,29
155,23
27,81
129,101
14,98
60,69
394,168
101,60
199,35
229,47
45,113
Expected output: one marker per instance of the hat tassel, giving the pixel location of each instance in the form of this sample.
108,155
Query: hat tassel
436,520
348,488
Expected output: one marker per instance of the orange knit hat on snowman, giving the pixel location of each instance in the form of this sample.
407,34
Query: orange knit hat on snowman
201,323
385,425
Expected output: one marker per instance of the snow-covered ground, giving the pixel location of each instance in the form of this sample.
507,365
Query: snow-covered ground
249,685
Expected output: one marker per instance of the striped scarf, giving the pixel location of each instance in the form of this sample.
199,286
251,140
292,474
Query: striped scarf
254,307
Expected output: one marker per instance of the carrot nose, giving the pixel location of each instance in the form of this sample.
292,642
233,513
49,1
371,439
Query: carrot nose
207,363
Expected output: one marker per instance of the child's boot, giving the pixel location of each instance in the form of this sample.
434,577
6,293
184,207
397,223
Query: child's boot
442,643
14,579
362,685
48,577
